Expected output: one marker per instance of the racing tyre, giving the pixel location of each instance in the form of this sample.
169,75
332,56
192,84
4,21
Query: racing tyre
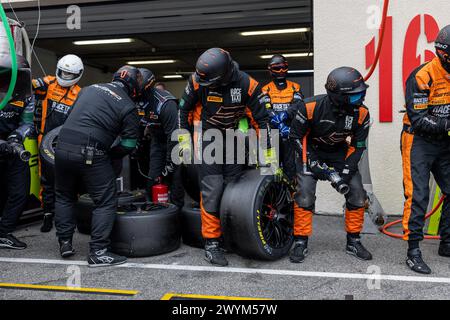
191,183
48,146
257,216
85,206
146,229
191,226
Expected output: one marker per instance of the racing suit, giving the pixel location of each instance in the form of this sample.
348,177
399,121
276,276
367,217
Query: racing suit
53,105
339,140
84,157
425,145
220,108
279,100
160,121
16,123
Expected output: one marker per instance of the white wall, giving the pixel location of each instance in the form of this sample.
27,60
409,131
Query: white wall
342,28
49,59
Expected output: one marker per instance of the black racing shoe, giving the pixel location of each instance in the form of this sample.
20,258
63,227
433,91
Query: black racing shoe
65,248
8,241
299,251
47,224
214,254
355,248
104,258
444,249
415,262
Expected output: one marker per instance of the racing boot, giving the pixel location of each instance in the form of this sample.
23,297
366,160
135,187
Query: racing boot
65,248
214,253
299,250
355,248
8,241
415,262
104,258
47,224
444,249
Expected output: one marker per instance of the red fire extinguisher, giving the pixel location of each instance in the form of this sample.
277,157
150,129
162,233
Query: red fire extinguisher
160,192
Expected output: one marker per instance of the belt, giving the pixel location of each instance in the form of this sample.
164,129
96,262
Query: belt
78,149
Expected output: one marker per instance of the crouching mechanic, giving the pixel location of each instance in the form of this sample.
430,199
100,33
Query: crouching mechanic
426,148
54,96
16,123
84,156
329,121
223,94
160,121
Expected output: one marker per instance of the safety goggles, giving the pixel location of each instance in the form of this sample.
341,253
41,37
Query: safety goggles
355,98
279,68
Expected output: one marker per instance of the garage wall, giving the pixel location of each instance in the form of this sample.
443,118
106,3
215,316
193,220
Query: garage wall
342,29
49,60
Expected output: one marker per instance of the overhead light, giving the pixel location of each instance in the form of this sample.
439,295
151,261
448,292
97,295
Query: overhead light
289,55
150,62
277,31
173,76
102,41
301,71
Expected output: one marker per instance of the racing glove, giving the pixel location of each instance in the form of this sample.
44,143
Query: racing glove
319,170
5,148
284,131
168,169
279,119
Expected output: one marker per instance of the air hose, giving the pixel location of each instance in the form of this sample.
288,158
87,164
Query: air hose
12,52
385,228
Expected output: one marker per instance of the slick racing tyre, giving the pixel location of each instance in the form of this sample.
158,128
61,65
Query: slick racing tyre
191,183
257,216
85,206
48,146
191,226
146,229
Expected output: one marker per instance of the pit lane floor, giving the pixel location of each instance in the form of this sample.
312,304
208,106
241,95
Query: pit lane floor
328,273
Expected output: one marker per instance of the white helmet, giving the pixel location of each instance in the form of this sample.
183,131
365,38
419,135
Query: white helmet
69,70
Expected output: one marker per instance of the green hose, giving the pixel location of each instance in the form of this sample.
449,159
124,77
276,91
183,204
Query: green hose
12,51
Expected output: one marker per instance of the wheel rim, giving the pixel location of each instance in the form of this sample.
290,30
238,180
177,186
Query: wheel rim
277,216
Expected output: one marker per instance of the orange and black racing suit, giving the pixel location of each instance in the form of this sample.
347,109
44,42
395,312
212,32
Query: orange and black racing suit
284,100
337,139
53,106
425,146
220,108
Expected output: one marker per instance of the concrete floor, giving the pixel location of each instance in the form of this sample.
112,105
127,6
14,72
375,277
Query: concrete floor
328,273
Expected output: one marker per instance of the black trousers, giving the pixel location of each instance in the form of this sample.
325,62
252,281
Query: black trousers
48,187
421,157
158,156
287,158
14,191
99,180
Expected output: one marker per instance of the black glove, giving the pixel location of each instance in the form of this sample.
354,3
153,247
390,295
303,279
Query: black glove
5,148
318,170
168,169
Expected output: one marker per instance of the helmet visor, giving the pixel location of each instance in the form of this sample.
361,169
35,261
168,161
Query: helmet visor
356,98
67,75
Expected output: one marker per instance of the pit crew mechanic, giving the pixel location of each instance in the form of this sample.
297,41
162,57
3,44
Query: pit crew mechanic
16,123
329,121
55,97
84,155
223,94
426,148
160,120
281,98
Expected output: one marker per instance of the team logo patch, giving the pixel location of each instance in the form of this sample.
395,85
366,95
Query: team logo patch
236,95
348,122
214,99
20,104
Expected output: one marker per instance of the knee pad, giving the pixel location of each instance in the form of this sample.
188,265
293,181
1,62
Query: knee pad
212,189
305,201
356,199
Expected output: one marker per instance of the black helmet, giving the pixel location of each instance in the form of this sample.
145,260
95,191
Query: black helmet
131,78
346,87
278,66
442,45
148,78
22,88
214,68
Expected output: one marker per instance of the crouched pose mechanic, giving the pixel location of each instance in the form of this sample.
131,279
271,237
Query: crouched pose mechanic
224,95
426,148
337,126
84,157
